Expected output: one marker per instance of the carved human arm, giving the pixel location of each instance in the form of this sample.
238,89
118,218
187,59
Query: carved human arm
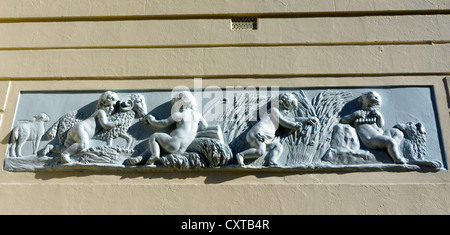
103,120
203,125
347,119
308,120
159,123
284,121
379,116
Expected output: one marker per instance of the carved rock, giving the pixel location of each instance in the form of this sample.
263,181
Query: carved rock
345,147
344,138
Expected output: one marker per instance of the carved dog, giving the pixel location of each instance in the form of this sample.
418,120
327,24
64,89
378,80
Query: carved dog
29,130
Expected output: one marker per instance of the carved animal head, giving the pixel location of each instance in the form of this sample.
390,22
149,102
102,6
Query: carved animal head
414,145
135,102
288,101
43,117
108,101
370,100
411,128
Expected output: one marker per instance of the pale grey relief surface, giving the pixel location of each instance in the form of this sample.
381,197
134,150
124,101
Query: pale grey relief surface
313,130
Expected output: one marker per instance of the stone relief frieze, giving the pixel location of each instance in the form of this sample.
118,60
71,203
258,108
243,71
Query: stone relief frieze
289,129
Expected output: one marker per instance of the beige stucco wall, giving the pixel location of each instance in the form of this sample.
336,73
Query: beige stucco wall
157,44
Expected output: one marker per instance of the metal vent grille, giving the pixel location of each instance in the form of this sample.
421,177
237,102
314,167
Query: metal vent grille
244,23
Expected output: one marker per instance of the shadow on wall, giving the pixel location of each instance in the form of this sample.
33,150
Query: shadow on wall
210,177
446,82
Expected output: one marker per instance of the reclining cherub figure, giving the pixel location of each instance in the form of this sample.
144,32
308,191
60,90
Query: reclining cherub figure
368,122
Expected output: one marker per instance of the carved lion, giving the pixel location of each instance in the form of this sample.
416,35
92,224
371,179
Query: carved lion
415,143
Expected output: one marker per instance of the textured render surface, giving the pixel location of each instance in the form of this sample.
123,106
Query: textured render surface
216,31
377,45
69,8
225,61
207,196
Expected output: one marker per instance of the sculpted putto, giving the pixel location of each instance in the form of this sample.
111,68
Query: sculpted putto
262,135
368,122
79,136
188,121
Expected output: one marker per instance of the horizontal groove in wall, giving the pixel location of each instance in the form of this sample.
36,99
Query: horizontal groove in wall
233,76
69,8
222,16
373,43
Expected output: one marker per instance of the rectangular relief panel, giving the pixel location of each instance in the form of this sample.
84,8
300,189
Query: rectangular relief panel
239,129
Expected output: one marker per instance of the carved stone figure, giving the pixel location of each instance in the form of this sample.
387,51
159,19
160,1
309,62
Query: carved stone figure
187,121
368,122
129,106
29,130
78,137
262,135
59,128
287,131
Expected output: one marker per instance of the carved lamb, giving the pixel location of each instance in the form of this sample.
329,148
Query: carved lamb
29,130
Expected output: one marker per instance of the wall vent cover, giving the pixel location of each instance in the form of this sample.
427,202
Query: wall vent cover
244,23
